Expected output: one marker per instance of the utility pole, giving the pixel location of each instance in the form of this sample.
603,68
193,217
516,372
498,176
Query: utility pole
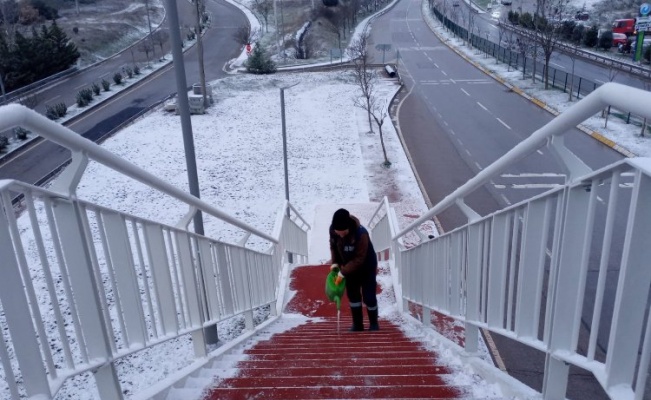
202,72
151,36
282,120
209,333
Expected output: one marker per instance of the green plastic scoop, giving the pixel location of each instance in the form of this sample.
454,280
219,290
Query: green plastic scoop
333,291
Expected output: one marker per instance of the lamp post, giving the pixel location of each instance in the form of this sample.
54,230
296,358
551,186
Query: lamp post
210,332
282,119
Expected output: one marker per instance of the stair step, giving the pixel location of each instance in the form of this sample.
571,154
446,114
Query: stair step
184,394
338,380
339,392
340,363
336,355
335,369
198,382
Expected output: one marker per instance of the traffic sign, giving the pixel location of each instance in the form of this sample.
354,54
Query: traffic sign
645,9
248,48
643,24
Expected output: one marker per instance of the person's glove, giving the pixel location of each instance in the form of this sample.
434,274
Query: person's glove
339,278
333,266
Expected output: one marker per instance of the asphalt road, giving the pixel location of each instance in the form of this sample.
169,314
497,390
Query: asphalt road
219,47
586,69
455,120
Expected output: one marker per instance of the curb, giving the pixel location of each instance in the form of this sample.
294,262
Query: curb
594,134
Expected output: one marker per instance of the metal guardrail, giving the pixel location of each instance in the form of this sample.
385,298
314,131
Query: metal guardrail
638,70
522,272
85,286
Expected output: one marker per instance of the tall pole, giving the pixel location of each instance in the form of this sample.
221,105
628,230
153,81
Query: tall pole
210,333
202,72
184,107
282,120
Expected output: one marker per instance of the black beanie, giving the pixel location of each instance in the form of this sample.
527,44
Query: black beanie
341,220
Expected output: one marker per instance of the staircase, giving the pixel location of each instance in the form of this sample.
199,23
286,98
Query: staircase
316,360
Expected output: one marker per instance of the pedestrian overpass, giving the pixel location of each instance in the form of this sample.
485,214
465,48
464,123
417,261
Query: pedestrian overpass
83,287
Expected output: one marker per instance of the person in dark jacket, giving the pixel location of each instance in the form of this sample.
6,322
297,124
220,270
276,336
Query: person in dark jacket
353,252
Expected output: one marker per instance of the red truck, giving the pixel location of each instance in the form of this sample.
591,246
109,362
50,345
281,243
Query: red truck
625,26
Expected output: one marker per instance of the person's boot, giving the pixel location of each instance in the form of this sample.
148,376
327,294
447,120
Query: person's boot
358,324
372,319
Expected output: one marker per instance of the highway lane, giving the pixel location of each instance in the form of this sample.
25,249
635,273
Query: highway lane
35,163
455,120
595,72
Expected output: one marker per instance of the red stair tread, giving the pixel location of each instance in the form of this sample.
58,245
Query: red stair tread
317,361
336,392
354,380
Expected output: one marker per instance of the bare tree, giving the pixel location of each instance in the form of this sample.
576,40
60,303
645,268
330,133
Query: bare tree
365,76
379,111
264,7
161,37
523,45
146,47
471,24
547,35
151,39
200,10
245,36
612,74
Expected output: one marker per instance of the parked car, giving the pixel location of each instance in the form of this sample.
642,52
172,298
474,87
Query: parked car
619,39
582,16
506,2
629,46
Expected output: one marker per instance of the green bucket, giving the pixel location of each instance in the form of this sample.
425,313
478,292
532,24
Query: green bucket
333,291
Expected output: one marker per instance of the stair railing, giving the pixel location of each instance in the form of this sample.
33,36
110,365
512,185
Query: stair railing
538,271
113,284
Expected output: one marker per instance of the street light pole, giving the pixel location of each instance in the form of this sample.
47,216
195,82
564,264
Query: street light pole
209,333
282,119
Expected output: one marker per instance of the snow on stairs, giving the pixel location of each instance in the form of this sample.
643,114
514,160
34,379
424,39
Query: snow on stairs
313,361
317,361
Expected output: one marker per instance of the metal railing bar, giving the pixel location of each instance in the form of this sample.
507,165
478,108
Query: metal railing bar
608,94
15,115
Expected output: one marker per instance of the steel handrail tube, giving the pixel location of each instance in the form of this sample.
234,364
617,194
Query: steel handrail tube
13,115
609,94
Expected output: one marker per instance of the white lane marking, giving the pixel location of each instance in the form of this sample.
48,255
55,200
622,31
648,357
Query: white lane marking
81,86
452,80
557,65
499,186
444,73
599,199
477,165
467,94
482,106
599,81
55,97
445,123
539,152
467,152
535,186
452,132
503,123
533,175
436,65
506,200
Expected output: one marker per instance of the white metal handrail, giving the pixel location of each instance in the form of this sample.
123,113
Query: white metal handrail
113,284
538,270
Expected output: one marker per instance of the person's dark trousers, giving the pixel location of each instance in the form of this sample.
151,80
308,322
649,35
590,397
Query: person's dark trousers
362,286
372,319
